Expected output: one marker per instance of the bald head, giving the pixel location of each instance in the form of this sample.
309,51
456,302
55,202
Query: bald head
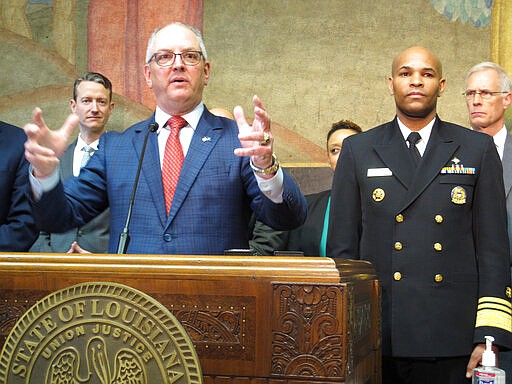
416,53
415,83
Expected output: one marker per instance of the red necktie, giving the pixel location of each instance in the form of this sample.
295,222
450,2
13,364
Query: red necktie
173,160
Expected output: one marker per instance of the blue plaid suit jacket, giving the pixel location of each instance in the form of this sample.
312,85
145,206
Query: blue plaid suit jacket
216,194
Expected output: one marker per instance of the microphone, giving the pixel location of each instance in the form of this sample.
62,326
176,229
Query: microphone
124,238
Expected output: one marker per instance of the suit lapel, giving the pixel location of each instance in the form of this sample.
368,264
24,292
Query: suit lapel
440,149
203,141
507,164
397,161
66,167
151,170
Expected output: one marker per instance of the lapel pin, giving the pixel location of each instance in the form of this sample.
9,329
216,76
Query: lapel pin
206,138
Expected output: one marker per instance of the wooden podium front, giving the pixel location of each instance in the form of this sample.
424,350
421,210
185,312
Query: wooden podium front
253,320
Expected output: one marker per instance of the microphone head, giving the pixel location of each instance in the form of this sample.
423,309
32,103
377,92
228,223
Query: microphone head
153,127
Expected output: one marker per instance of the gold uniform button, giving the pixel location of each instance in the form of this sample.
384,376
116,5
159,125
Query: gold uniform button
438,219
397,276
508,292
399,218
398,246
438,247
378,194
438,278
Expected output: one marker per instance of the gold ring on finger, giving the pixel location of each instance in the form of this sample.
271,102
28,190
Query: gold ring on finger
266,139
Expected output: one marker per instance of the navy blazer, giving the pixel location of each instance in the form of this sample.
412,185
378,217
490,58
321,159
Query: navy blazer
437,237
216,194
17,228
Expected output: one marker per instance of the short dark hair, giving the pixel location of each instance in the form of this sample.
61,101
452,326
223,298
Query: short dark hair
97,78
343,124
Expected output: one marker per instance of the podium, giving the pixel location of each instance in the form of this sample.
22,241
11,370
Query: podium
252,319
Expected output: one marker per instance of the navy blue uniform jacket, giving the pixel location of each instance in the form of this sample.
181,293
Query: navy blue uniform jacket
437,237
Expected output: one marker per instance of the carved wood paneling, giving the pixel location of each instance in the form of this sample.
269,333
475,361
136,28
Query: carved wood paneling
307,332
222,327
253,320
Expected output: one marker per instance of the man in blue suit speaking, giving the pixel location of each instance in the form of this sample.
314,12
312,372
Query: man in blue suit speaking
200,180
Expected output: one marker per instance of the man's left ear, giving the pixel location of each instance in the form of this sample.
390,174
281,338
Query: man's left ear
442,84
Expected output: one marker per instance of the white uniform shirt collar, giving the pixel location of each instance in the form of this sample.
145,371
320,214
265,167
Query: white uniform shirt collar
424,133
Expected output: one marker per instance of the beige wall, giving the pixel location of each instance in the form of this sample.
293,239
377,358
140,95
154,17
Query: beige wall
316,62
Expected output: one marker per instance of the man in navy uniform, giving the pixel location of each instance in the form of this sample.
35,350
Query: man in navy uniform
423,200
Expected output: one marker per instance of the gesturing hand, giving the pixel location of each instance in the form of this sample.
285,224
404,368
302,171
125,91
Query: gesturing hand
256,139
44,146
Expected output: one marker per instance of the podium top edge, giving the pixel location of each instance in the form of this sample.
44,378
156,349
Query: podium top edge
190,264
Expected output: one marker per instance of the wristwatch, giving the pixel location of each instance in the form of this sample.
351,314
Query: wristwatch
270,170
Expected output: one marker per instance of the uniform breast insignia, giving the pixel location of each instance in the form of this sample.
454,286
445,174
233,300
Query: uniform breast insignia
378,194
458,195
457,168
99,333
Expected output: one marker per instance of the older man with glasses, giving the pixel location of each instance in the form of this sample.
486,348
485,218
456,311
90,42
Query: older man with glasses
488,95
201,177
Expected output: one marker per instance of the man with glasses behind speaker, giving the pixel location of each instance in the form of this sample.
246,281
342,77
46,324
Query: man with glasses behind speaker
201,176
488,95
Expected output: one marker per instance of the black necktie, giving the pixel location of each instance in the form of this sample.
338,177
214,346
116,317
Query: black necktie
413,138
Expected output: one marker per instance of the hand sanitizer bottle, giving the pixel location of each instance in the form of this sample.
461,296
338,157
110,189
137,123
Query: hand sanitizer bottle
488,373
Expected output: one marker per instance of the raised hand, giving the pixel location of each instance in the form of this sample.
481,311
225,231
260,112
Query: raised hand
256,139
44,146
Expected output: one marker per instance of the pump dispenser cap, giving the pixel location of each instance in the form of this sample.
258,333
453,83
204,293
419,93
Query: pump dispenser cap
488,357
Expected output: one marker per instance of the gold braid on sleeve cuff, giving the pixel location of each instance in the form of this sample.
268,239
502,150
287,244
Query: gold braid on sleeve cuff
494,312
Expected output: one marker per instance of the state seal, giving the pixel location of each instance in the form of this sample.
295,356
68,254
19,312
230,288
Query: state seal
99,333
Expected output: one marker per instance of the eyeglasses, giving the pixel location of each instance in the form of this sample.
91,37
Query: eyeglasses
485,95
167,58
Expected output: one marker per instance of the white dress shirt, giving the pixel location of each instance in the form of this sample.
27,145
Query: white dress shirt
79,153
424,133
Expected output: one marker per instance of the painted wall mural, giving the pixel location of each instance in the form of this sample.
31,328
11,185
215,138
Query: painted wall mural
476,12
312,65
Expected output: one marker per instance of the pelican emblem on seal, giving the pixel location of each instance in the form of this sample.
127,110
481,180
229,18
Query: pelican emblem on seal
66,367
